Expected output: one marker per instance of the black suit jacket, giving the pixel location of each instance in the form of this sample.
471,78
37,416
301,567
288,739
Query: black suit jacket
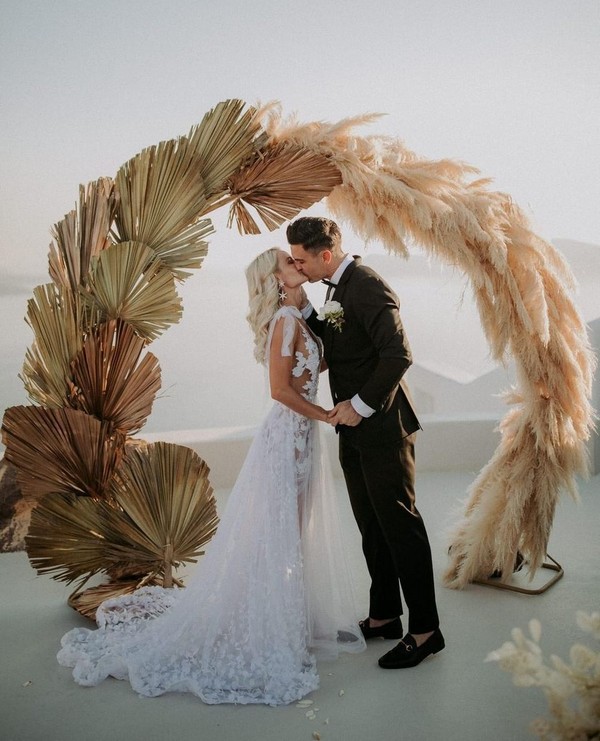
369,356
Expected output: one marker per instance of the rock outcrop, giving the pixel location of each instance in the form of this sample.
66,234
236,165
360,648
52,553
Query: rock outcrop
15,512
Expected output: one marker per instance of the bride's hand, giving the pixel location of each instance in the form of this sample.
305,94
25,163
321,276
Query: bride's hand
328,416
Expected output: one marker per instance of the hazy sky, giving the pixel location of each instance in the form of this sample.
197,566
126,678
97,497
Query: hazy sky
511,86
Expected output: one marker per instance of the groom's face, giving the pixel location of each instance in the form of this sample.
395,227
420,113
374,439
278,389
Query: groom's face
314,265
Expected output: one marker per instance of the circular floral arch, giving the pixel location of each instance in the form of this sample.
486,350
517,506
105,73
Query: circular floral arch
115,261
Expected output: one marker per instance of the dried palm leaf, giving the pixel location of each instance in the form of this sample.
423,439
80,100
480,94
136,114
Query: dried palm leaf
186,250
169,511
110,382
161,513
67,537
128,282
279,183
59,323
165,189
226,137
59,451
82,234
162,194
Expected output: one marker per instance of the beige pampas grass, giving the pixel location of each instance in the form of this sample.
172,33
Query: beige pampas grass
522,288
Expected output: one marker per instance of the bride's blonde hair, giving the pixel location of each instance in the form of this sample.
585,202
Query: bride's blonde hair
263,294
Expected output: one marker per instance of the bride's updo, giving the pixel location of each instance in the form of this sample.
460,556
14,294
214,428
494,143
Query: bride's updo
263,294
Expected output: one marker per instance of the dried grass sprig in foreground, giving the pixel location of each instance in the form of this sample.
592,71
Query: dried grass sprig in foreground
572,690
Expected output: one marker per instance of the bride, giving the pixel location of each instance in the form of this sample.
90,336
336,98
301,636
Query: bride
273,591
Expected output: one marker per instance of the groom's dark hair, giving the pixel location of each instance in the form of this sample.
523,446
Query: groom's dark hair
314,233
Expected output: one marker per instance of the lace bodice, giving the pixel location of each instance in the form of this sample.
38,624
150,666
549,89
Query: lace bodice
307,349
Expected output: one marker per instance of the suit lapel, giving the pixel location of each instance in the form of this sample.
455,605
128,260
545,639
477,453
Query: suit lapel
337,294
340,289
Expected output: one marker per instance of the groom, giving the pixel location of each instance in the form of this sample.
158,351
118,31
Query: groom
367,354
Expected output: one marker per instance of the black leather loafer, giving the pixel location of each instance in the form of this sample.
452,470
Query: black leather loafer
393,629
407,653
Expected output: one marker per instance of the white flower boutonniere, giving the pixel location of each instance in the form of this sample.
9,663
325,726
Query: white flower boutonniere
333,314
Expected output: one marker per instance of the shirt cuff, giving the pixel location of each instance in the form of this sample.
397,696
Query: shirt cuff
307,310
360,407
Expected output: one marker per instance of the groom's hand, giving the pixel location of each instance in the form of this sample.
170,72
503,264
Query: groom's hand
344,414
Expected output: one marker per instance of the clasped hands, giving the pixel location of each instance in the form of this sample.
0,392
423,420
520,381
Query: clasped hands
344,414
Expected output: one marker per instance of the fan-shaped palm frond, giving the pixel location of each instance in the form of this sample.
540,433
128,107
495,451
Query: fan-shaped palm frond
128,282
186,250
169,511
161,513
67,536
59,451
82,234
280,182
225,138
161,193
59,323
110,382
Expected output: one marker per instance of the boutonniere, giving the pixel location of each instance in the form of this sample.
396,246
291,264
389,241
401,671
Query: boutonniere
333,314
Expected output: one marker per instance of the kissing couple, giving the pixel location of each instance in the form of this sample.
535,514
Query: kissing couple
274,592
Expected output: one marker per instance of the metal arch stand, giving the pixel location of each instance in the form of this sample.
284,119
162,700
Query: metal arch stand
551,564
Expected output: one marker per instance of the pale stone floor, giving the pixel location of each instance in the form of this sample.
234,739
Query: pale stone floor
454,696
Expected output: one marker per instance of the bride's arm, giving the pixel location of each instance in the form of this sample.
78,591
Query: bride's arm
280,379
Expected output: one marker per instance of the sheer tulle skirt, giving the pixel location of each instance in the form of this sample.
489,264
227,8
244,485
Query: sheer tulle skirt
271,594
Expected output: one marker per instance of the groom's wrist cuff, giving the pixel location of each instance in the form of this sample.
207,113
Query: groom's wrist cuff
360,407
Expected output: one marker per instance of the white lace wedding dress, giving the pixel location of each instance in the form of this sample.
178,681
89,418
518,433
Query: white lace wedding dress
272,593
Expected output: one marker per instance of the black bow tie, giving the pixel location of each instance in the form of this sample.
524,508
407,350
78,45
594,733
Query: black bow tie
329,283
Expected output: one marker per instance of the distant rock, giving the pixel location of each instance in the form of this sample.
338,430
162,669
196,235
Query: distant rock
15,513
